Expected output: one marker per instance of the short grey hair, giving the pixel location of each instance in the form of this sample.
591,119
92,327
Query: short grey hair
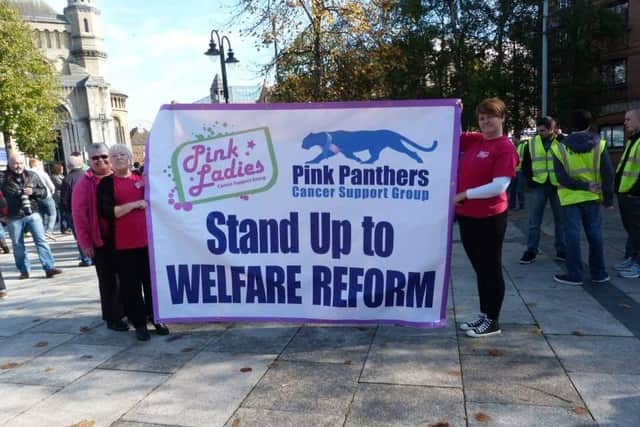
74,162
97,147
120,149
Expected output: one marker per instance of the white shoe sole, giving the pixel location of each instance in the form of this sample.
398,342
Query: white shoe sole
473,335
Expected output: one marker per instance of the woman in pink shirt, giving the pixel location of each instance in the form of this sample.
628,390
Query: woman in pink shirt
487,162
121,202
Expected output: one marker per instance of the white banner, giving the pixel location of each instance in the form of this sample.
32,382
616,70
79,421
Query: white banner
336,212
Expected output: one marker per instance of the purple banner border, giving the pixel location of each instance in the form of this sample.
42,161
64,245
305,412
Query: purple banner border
449,102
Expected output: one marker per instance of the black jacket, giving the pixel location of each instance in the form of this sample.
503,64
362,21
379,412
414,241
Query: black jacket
66,189
13,187
583,142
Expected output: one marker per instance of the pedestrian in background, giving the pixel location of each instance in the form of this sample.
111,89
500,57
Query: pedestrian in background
76,173
487,163
22,189
537,166
518,183
585,182
121,203
46,205
627,187
57,177
3,216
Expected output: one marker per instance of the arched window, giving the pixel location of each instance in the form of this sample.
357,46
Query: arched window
57,34
47,36
38,39
86,25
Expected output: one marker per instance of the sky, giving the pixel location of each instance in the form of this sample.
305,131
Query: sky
156,51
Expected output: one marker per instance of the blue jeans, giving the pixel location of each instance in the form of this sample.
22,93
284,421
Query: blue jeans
85,259
49,214
33,223
589,216
538,197
516,190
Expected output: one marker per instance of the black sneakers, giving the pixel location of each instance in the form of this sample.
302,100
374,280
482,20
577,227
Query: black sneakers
473,324
560,256
487,328
565,280
528,257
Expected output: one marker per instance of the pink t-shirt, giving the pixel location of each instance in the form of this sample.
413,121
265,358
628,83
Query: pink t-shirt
480,161
130,229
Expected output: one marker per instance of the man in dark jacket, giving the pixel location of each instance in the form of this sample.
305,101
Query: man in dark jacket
585,183
22,189
75,174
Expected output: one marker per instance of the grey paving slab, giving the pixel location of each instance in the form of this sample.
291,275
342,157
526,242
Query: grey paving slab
100,397
101,335
380,405
513,309
431,361
491,414
527,280
60,366
305,387
614,400
17,398
610,355
514,341
206,391
406,331
269,339
635,296
330,344
572,310
532,381
247,417
73,322
21,348
136,360
137,424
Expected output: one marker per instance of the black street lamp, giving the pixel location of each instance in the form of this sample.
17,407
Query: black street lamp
214,52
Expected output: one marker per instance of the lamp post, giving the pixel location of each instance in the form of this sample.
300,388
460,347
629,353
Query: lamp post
545,57
213,52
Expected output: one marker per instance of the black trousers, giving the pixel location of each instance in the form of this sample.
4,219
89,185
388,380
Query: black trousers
135,279
110,293
630,215
3,287
482,240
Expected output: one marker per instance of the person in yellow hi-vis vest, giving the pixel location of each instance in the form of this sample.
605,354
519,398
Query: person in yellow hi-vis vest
518,183
585,182
627,186
537,166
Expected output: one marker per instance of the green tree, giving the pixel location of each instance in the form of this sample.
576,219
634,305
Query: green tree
28,88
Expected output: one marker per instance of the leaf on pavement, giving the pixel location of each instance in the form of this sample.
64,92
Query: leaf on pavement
10,365
83,423
481,417
85,329
246,369
439,424
494,352
42,344
187,350
580,410
236,422
347,362
577,333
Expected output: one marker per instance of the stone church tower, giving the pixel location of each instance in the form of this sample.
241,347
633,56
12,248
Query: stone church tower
90,109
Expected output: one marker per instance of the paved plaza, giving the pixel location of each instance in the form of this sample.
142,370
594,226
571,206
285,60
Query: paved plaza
567,357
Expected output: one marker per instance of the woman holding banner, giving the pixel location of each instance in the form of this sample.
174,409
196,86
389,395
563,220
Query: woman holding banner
121,202
486,165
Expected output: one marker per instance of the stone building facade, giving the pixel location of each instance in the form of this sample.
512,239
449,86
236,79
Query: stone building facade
90,109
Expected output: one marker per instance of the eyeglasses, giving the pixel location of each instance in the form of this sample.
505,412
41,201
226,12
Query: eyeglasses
102,156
